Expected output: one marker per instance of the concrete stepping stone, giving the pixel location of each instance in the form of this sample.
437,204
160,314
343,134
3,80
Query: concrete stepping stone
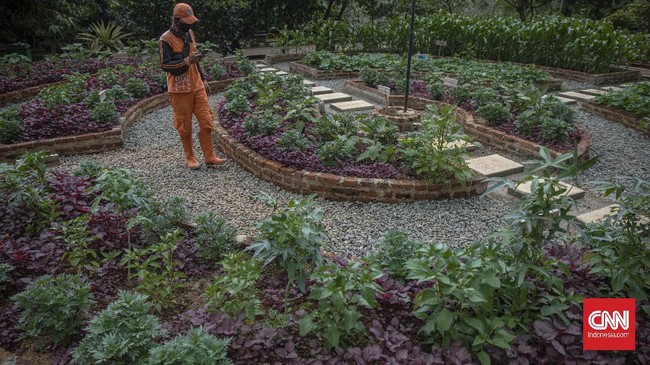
352,106
282,73
494,165
319,90
261,65
460,143
334,97
268,69
524,189
577,96
612,88
596,215
563,100
308,83
594,92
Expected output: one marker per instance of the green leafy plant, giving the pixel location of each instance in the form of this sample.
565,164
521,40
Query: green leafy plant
66,93
341,149
261,123
123,333
461,303
5,276
379,129
107,36
214,237
137,87
340,291
234,291
117,92
197,347
330,127
546,209
373,77
293,140
237,106
163,217
291,238
89,168
426,152
10,124
78,238
24,183
617,246
395,249
53,308
495,113
104,112
217,71
244,65
634,99
301,111
156,269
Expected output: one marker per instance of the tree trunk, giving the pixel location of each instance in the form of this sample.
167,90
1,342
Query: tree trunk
521,9
330,4
345,5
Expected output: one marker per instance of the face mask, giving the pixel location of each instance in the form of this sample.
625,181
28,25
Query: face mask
184,27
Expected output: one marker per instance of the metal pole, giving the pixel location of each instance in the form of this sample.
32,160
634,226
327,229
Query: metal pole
408,62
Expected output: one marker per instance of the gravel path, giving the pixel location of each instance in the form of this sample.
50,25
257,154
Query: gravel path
152,150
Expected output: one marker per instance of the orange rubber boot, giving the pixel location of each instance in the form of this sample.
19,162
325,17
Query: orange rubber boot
205,139
192,162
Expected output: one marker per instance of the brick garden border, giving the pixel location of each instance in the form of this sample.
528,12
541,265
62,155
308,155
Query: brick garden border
614,114
101,141
474,125
21,95
337,187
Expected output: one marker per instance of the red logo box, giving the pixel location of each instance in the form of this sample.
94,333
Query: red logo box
608,324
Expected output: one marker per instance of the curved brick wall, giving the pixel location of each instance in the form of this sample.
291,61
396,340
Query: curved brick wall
620,116
336,187
100,141
474,125
19,96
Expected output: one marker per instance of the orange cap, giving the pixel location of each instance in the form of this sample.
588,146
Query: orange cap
185,13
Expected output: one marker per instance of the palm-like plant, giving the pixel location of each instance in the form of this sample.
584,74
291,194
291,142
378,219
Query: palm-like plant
107,36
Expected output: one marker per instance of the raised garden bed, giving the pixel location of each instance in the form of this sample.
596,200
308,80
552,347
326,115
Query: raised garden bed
474,125
337,187
617,115
101,141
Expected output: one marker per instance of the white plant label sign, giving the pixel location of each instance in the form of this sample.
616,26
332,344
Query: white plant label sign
102,95
440,43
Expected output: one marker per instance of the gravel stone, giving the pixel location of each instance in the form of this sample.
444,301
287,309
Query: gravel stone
153,151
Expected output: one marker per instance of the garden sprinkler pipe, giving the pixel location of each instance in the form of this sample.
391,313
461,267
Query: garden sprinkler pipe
408,62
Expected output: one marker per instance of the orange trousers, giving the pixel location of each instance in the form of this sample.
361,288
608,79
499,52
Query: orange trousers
187,104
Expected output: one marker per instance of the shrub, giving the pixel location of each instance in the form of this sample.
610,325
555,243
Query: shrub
291,237
555,130
495,113
89,168
156,269
462,93
340,291
333,153
137,87
373,77
123,333
217,71
105,112
527,122
394,250
293,140
67,93
53,308
161,218
77,236
244,65
425,153
197,347
214,237
117,92
330,127
5,276
379,129
261,123
10,125
234,291
237,105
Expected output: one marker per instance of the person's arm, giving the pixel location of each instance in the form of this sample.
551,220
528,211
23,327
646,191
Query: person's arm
174,64
198,65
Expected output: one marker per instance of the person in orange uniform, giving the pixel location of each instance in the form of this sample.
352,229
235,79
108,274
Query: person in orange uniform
187,86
